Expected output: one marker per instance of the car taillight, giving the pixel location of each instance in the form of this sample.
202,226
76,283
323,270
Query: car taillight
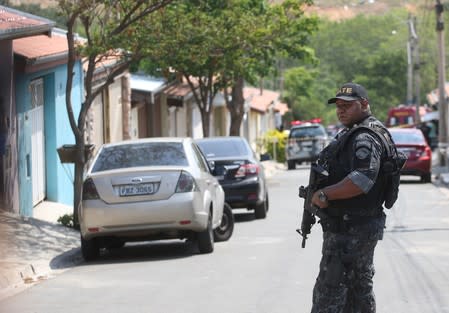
426,154
186,183
89,190
247,170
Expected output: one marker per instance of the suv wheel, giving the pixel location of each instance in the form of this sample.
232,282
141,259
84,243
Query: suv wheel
426,178
89,249
224,231
291,165
260,211
206,237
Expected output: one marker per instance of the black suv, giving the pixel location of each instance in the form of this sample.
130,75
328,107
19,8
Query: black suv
239,172
305,142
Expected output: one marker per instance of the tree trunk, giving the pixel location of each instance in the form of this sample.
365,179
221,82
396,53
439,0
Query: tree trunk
205,119
236,107
80,162
126,106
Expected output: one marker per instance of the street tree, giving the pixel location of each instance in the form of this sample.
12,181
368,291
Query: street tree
112,30
218,45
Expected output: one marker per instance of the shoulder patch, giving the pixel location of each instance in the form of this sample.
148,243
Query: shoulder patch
362,153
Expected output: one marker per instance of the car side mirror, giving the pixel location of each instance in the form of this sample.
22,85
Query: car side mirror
211,166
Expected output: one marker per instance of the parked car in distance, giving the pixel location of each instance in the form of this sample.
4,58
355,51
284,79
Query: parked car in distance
149,189
304,143
411,141
238,170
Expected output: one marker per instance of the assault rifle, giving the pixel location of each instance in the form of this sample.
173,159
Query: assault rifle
317,176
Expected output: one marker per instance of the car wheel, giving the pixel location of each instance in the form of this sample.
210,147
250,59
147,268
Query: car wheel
206,238
260,211
224,231
291,165
426,178
89,249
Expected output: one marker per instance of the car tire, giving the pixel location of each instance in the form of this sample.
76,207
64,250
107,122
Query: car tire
291,165
206,238
224,231
89,249
426,178
260,211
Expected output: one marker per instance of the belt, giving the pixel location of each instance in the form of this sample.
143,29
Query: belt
341,224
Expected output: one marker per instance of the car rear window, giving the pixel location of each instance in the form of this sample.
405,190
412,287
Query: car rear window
312,131
223,148
408,137
141,154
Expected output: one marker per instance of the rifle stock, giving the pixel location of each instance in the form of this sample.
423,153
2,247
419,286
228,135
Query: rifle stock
318,175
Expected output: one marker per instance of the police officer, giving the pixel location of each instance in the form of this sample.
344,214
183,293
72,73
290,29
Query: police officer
352,199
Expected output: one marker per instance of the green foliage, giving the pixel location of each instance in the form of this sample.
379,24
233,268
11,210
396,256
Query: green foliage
66,220
274,142
368,49
220,42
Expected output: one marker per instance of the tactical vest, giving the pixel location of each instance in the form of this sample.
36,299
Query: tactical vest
336,158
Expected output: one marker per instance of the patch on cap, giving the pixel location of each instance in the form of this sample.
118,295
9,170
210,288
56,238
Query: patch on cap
350,92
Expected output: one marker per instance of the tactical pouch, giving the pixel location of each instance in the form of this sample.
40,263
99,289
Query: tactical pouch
393,178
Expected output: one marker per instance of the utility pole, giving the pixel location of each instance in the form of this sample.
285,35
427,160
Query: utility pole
413,75
416,71
442,104
409,64
409,74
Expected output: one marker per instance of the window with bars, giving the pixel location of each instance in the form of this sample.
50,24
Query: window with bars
37,92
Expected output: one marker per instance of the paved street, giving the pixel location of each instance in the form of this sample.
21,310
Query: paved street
261,269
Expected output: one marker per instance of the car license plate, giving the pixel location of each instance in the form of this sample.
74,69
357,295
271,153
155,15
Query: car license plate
136,190
306,145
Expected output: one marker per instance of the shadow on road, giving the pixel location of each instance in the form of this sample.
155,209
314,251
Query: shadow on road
132,252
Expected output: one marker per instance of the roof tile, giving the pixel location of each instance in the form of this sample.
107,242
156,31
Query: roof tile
40,46
16,24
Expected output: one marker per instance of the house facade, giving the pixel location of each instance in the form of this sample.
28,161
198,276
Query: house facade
40,76
264,112
184,116
13,25
149,116
109,117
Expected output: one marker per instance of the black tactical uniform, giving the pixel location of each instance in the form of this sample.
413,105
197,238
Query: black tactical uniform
344,283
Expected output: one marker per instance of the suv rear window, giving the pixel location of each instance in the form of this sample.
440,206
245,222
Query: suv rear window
309,131
223,148
141,154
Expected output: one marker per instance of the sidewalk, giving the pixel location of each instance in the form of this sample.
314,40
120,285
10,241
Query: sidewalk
35,249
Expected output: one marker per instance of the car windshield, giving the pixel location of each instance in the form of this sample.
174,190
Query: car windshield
312,131
223,148
408,137
140,154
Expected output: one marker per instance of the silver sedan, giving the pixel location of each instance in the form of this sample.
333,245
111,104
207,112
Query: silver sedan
149,189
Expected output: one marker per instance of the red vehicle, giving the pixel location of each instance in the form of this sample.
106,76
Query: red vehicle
411,141
404,115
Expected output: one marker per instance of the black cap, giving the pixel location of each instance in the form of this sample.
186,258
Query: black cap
350,92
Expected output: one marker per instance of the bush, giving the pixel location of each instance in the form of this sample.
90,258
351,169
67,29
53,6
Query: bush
274,139
66,220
